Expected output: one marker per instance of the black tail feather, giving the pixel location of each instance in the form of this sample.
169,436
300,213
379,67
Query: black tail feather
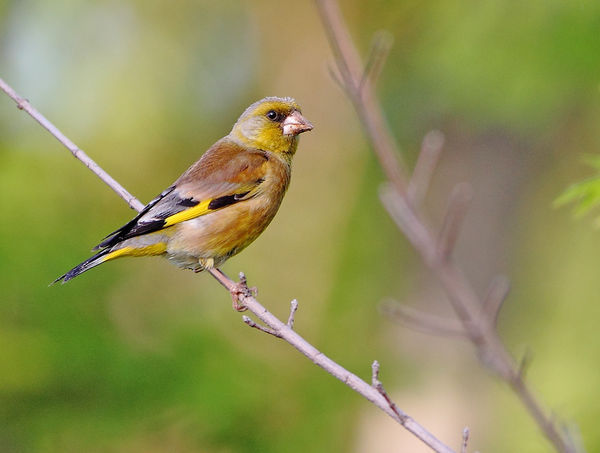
82,267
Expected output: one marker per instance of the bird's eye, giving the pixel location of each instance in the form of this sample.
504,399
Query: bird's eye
273,115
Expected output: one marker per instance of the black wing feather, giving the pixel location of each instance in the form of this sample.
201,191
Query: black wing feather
226,200
137,227
171,203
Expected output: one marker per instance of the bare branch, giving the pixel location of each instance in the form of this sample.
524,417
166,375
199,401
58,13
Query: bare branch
348,378
376,383
423,322
525,363
368,109
23,104
497,293
460,292
431,150
380,49
223,279
246,298
375,374
336,77
457,209
264,329
465,440
404,216
293,308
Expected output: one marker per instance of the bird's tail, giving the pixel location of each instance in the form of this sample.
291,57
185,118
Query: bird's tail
93,261
127,248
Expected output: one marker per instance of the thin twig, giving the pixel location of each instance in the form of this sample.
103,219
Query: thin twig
525,363
423,322
380,49
460,197
264,329
351,380
431,150
369,110
23,104
464,300
247,299
293,308
496,295
465,440
403,215
376,383
336,77
223,279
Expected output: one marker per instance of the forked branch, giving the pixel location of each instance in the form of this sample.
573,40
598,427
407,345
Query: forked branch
402,200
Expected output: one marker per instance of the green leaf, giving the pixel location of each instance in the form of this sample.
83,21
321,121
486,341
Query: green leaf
585,195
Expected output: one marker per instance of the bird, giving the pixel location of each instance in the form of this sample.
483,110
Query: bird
222,202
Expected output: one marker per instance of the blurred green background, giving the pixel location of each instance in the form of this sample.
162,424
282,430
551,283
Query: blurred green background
138,356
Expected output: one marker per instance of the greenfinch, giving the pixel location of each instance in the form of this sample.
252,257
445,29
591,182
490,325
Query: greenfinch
222,202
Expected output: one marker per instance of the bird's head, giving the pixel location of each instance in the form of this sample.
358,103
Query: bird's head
271,124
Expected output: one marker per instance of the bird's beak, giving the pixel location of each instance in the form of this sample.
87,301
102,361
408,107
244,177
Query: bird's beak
295,124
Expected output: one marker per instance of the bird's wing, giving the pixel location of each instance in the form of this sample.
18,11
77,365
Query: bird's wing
226,174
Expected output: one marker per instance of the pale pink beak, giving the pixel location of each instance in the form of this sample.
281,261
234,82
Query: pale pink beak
295,124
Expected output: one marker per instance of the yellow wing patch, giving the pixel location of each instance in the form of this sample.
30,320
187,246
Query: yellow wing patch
196,211
149,250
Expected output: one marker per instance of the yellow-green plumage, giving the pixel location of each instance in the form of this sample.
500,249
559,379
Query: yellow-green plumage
222,202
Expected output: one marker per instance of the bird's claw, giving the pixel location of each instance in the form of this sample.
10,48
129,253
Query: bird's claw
241,289
236,292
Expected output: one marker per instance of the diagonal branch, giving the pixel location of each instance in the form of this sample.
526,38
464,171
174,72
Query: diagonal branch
362,95
246,299
465,302
23,104
285,332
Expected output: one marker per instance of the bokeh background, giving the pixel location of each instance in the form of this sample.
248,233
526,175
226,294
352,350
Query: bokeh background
138,356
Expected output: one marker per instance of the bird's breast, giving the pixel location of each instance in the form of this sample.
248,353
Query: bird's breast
229,230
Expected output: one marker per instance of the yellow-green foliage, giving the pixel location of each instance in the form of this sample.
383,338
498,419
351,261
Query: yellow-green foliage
585,195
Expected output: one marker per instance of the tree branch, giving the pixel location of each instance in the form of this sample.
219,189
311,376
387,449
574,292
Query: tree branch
423,322
362,95
377,385
23,104
467,305
431,149
465,440
497,293
458,204
246,299
380,49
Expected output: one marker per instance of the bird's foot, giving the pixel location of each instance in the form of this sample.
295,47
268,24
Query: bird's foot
240,289
204,263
